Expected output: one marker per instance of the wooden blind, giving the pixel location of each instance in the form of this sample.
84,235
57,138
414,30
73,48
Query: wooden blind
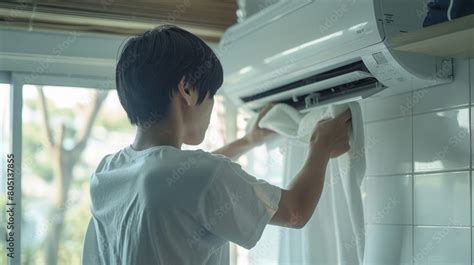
206,18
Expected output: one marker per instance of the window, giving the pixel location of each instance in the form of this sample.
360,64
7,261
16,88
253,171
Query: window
215,133
66,131
5,140
264,162
60,154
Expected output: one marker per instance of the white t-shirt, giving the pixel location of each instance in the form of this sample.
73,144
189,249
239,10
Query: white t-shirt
164,205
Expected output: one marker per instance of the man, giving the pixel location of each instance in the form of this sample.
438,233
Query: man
153,203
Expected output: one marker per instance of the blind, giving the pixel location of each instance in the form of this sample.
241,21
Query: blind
206,18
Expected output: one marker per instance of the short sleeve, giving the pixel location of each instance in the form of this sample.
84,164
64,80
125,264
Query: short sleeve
236,206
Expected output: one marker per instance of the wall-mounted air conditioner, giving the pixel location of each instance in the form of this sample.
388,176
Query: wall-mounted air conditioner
312,52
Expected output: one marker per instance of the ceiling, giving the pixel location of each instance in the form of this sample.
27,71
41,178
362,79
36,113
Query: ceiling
205,18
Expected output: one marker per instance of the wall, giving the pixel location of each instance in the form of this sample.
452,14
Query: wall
417,192
39,52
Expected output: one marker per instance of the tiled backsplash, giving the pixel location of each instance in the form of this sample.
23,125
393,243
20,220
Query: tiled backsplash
418,189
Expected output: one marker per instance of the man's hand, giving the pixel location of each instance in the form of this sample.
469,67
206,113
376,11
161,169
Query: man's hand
334,134
329,139
258,135
255,137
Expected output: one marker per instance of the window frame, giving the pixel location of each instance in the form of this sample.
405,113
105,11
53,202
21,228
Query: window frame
17,82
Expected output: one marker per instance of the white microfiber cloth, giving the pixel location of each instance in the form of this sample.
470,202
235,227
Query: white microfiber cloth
290,123
351,169
283,119
345,173
309,121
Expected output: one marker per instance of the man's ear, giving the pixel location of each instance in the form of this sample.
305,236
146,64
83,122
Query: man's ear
185,92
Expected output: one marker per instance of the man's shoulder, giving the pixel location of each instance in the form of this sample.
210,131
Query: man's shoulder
176,166
178,173
175,157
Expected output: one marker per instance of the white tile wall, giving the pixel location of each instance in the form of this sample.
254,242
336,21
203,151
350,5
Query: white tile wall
452,199
388,245
389,200
390,148
421,157
388,107
455,94
442,246
441,140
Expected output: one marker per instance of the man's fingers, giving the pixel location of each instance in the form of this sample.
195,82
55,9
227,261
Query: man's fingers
349,124
266,109
323,120
345,116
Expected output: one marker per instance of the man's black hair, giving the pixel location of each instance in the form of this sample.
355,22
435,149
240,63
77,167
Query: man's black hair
151,66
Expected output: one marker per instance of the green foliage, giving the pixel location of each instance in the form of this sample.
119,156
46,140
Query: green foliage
31,255
33,150
76,225
38,163
113,122
31,103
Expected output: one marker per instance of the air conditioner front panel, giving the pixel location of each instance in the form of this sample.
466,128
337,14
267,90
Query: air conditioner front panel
255,51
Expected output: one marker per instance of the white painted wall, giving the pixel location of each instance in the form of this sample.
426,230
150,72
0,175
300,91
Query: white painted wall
48,52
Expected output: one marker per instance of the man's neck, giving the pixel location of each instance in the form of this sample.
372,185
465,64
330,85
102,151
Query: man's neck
162,133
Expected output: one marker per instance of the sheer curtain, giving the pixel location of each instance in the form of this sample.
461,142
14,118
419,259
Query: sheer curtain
278,245
276,163
268,165
329,237
332,236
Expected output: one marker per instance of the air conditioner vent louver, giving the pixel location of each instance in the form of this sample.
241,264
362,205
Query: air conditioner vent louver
334,93
346,69
363,87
